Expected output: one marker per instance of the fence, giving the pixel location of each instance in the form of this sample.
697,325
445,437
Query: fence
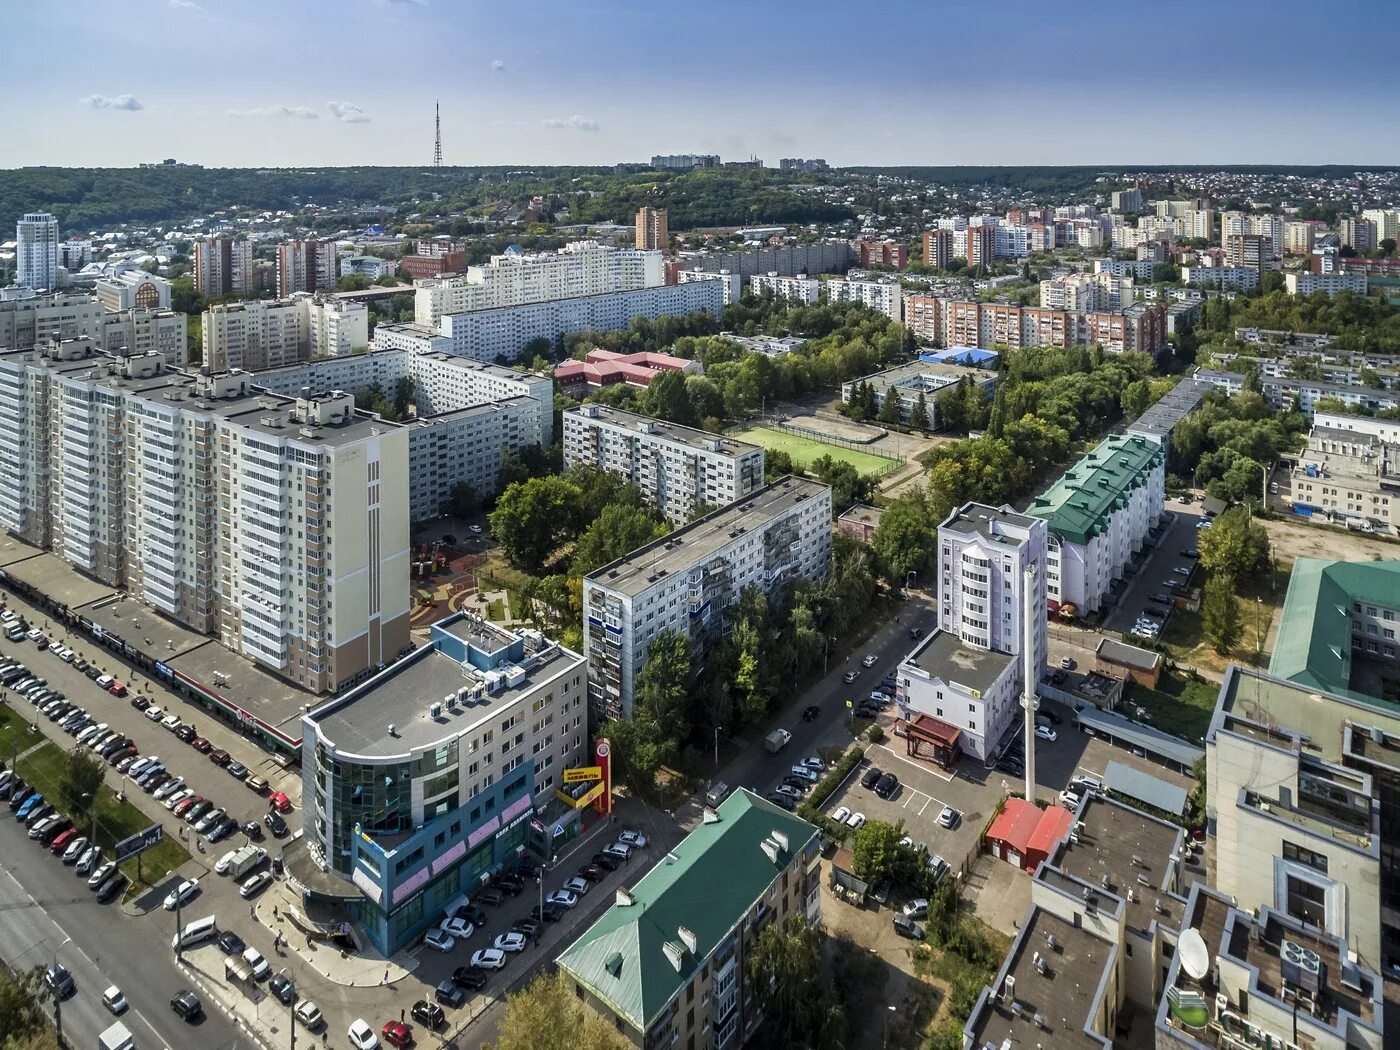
782,426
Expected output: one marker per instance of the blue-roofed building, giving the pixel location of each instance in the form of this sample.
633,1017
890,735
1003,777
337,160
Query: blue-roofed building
972,356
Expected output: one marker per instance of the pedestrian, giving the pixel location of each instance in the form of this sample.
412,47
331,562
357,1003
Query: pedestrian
274,911
253,911
401,1013
386,975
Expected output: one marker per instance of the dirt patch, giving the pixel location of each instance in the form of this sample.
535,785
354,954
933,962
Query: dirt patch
1292,539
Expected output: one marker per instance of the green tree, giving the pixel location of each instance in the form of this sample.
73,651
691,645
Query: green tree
22,995
875,851
352,282
890,412
462,501
1220,614
1235,546
82,776
618,530
777,464
906,539
920,418
785,971
668,398
546,1015
534,518
404,392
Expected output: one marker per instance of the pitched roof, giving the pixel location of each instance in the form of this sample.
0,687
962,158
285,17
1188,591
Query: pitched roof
1314,636
706,885
1078,506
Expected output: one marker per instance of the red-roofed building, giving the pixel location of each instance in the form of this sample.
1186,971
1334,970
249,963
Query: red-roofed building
1024,834
602,368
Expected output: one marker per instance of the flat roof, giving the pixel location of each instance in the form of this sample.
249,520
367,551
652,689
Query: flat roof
1117,652
1065,996
943,655
1144,787
142,627
358,722
929,376
687,546
1171,409
982,518
659,428
52,576
1126,846
1146,737
863,514
246,686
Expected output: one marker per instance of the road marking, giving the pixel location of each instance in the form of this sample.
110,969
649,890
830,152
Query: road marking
930,770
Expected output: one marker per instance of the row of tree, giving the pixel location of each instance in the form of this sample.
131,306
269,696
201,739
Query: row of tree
1234,549
1228,445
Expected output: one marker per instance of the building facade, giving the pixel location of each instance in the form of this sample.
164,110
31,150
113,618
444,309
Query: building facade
881,253
36,252
684,582
1307,283
786,260
884,297
1100,513
224,266
938,248
920,382
668,962
262,334
306,266
796,289
652,234
424,779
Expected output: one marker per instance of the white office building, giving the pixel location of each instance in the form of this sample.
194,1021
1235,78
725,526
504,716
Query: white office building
1239,278
133,290
1087,292
683,582
800,289
733,282
680,470
967,674
279,525
36,252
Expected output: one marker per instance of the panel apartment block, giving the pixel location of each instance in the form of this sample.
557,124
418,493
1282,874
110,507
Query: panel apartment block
678,469
788,260
684,581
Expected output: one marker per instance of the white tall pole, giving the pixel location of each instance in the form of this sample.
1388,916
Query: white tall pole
1030,673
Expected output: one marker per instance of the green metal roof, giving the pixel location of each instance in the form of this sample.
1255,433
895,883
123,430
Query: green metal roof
1313,647
1078,506
706,884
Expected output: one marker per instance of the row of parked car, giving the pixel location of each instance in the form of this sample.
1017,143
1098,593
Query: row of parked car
47,826
799,780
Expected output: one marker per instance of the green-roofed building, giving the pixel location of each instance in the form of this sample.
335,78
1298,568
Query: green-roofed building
667,961
1338,628
1099,515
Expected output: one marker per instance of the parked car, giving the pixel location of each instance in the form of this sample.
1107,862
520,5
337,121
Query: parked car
871,777
439,941
1045,733
449,994
856,821
811,712
256,960
181,894
489,959
219,758
510,942
473,977
308,1013
948,817
888,785
275,823
113,886
236,769
362,1036
201,745
564,898
428,1014
605,861
907,927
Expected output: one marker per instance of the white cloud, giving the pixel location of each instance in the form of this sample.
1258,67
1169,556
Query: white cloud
188,5
347,113
497,66
575,122
127,102
275,110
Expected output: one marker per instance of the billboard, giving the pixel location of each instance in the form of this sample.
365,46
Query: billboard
134,844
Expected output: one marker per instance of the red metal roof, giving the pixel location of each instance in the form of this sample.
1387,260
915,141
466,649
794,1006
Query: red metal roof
1027,828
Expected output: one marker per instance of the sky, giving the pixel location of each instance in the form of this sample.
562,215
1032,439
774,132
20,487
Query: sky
335,82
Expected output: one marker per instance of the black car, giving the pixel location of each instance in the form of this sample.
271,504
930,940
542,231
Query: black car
473,977
21,792
914,632
529,927
185,733
1054,718
907,927
186,1005
275,823
512,884
601,859
887,786
115,884
222,830
492,897
783,801
59,980
552,913
797,782
872,777
526,868
428,1014
449,994
253,830
1007,765
231,943
92,671
811,713
140,703
280,985
46,839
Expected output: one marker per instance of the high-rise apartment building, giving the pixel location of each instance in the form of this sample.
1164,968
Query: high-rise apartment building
36,252
1387,222
684,582
1129,200
280,525
963,683
981,245
652,232
680,470
273,333
799,289
223,266
1358,233
28,319
1087,292
881,253
938,248
305,266
1140,327
885,297
1252,250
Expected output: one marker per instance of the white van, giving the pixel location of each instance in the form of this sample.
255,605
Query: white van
196,932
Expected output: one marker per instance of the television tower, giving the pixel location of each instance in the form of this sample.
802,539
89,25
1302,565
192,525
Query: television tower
437,134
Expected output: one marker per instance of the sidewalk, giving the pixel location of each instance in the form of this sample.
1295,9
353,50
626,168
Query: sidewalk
364,969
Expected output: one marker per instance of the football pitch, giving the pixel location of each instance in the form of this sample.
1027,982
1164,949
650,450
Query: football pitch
804,450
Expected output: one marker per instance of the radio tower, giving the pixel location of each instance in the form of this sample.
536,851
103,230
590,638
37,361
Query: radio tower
437,135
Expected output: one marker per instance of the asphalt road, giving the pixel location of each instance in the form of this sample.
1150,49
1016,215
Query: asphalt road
47,912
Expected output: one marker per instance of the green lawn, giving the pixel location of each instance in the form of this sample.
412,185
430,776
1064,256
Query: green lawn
14,734
1180,706
109,819
804,450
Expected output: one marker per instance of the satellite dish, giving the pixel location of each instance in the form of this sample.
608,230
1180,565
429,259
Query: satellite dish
1195,958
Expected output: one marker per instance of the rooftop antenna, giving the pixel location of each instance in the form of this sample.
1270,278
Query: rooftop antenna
437,134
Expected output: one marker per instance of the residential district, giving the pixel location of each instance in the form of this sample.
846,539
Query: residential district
966,619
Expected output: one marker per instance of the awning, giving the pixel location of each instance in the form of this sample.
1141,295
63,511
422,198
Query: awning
1144,787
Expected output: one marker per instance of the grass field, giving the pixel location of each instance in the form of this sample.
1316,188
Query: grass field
1180,706
804,450
111,818
15,736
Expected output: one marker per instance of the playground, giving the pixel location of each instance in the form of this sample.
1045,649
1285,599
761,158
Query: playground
804,450
446,579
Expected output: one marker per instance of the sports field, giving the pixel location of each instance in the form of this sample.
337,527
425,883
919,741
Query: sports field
804,450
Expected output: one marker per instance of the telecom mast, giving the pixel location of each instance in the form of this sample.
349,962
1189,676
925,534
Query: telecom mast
437,134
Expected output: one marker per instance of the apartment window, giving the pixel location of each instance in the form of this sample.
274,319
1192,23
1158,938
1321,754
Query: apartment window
1303,855
1306,901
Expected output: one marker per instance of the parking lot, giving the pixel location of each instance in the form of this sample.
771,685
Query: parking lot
1160,571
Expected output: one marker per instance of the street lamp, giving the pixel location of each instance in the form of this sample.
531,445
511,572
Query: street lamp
885,1039
717,729
1258,641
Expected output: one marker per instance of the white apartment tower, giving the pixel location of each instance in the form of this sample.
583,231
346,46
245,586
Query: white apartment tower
679,469
36,251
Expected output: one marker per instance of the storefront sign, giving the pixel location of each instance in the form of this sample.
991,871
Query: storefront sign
582,773
591,795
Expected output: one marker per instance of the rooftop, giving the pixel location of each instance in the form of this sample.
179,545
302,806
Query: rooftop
243,686
659,428
492,666
928,376
943,655
863,514
988,522
638,955
1176,405
1129,854
51,575
1064,996
1078,506
692,544
1122,653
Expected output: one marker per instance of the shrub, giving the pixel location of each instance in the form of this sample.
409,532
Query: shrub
811,809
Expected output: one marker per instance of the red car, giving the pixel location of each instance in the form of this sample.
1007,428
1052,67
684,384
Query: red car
201,745
280,802
396,1033
219,758
117,688
181,807
60,843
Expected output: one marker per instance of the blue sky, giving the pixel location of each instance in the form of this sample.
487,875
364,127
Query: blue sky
302,82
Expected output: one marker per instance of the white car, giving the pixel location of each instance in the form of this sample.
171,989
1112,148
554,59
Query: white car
563,898
803,772
171,722
362,1036
948,817
66,655
221,866
815,764
458,929
309,1014
169,788
475,530
510,942
254,958
253,884
98,877
856,820
154,713
635,839
75,849
181,894
1045,733
841,815
114,1000
179,796
578,885
87,862
869,660
489,959
440,941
